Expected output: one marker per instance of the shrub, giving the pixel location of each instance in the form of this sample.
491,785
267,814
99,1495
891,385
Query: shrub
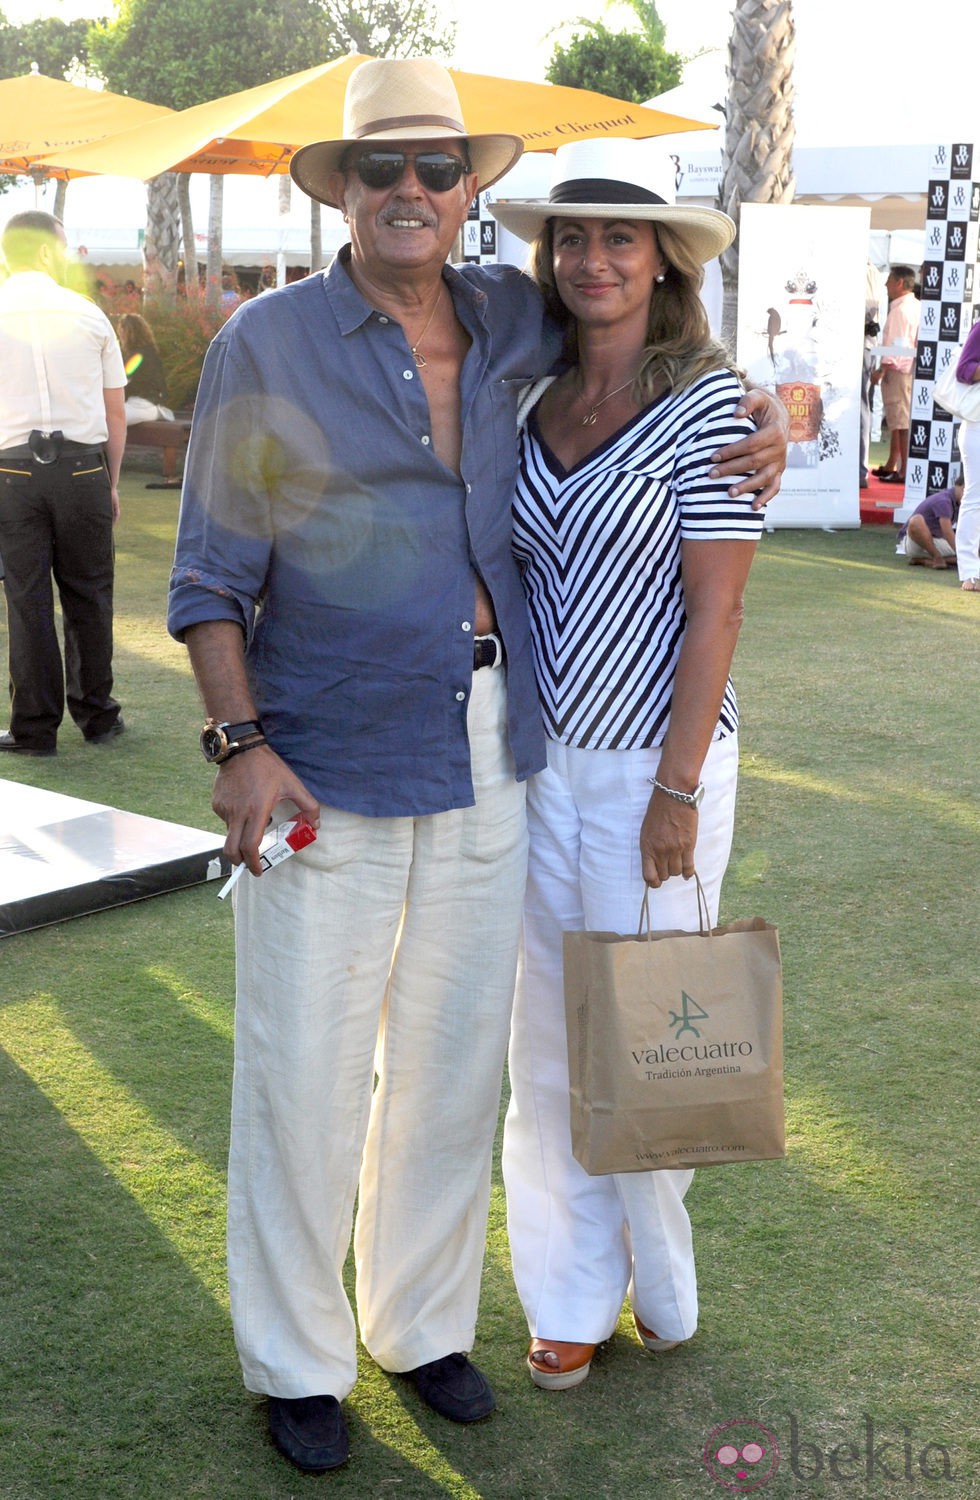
183,329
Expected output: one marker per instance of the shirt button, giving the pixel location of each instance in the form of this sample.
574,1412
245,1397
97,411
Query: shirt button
469,489
408,374
460,697
466,625
381,318
425,442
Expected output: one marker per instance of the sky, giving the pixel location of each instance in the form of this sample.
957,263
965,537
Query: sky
865,72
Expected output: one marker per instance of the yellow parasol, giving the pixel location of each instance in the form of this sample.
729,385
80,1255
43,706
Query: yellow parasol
40,116
255,132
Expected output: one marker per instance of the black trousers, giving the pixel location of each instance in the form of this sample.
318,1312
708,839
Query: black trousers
56,522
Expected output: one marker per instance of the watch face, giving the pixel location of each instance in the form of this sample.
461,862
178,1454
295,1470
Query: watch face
212,743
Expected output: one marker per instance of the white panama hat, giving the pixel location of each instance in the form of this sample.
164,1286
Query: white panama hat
616,178
400,99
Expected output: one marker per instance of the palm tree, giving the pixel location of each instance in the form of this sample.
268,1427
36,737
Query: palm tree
758,153
161,248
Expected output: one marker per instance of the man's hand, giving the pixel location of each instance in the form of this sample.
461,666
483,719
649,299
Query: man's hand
762,453
246,789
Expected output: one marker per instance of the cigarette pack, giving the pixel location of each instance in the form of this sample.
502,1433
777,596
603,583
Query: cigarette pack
278,844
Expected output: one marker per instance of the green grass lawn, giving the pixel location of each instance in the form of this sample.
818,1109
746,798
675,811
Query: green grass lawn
838,1287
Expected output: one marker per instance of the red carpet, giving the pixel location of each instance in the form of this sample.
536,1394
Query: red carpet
880,501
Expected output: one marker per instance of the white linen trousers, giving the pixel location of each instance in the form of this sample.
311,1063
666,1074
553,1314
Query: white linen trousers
580,1244
968,521
390,944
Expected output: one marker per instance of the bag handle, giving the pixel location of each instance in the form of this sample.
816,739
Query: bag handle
704,917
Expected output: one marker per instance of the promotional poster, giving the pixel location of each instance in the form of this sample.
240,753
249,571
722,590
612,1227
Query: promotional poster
800,334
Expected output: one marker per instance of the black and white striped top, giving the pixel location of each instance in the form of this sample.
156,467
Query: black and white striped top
599,548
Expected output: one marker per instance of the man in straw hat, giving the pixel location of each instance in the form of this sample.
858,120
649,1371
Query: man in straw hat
345,585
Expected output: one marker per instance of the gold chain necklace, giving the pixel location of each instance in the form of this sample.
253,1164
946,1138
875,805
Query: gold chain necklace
420,360
589,420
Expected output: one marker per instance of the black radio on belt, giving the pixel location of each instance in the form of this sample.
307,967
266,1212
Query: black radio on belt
46,446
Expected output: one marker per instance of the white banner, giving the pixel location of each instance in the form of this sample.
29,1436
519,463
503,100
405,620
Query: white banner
801,334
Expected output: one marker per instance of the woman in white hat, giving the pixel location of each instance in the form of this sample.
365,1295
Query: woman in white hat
634,561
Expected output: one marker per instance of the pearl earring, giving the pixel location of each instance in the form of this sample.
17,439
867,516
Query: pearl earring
661,279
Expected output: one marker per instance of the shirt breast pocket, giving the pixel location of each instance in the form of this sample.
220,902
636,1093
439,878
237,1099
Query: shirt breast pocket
504,396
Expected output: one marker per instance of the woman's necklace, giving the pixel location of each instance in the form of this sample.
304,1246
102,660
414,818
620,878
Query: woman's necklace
419,358
589,419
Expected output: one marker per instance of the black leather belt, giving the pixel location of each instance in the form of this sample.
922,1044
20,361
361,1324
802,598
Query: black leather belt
68,450
488,651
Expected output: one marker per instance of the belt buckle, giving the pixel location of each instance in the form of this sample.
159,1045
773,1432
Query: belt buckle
498,648
45,446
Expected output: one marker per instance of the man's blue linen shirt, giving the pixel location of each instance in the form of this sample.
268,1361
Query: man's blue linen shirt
316,514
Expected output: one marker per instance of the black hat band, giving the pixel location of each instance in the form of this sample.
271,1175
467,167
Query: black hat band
602,190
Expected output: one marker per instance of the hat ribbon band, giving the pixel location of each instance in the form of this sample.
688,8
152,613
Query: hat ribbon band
602,190
397,122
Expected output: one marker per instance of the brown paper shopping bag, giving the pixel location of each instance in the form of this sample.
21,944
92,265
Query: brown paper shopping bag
675,1052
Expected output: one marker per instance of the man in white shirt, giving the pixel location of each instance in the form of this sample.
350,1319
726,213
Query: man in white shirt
62,434
895,371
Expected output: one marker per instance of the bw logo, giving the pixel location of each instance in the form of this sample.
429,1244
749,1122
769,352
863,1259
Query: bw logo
690,1012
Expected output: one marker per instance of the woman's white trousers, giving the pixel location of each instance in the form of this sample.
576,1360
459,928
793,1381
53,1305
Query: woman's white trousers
580,1244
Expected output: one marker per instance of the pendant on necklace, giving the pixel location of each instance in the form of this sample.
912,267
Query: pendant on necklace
591,418
418,358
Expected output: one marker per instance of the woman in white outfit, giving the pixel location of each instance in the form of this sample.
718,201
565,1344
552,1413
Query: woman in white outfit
634,562
968,525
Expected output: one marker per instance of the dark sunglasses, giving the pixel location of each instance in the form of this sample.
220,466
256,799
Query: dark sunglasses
436,170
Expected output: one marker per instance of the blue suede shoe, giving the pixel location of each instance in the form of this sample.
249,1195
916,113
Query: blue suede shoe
310,1431
454,1388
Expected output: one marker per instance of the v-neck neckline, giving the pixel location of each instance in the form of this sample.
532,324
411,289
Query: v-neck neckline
554,462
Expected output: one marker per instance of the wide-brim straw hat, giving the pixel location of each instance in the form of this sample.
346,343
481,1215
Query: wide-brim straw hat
615,178
400,99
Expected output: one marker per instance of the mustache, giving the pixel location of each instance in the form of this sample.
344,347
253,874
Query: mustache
400,209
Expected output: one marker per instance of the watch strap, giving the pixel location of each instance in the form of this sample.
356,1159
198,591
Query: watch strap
235,731
238,747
